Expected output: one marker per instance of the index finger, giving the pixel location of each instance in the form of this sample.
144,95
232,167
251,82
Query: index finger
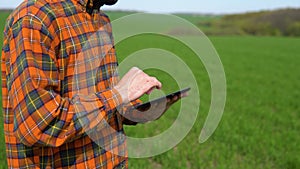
157,83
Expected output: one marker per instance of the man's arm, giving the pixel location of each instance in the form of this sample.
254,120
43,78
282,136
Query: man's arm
41,115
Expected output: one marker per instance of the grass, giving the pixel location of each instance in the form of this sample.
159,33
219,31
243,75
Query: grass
261,120
3,16
261,123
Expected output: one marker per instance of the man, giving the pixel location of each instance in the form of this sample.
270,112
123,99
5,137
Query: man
47,120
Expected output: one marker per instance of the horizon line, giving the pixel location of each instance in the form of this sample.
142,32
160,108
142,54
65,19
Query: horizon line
191,13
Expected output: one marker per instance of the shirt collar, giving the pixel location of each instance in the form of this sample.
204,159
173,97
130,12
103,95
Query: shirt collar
83,2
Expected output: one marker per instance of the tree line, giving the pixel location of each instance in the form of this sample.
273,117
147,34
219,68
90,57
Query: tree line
283,22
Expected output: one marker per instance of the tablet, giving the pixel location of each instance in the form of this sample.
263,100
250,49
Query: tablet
162,100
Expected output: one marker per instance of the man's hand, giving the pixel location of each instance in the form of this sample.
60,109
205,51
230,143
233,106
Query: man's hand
135,83
174,99
144,114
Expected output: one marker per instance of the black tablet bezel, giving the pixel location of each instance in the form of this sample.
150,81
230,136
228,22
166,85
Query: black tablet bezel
147,105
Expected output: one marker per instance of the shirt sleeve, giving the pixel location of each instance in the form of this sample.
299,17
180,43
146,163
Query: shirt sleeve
128,111
41,115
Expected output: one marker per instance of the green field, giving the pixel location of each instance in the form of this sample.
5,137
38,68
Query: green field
261,123
261,120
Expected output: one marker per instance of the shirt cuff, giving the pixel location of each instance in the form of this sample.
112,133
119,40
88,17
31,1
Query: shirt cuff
111,99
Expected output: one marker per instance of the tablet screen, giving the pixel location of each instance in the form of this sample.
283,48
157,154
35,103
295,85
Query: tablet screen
152,110
145,106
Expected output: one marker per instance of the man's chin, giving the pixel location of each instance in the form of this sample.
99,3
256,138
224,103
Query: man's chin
110,2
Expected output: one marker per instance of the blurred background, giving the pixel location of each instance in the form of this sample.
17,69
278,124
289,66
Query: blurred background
259,45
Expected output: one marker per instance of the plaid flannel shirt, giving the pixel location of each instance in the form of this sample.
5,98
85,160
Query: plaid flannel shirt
53,96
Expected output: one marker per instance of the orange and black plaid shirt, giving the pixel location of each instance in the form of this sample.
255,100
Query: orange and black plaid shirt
59,107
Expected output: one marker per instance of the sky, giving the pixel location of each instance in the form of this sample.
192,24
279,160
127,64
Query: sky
191,6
